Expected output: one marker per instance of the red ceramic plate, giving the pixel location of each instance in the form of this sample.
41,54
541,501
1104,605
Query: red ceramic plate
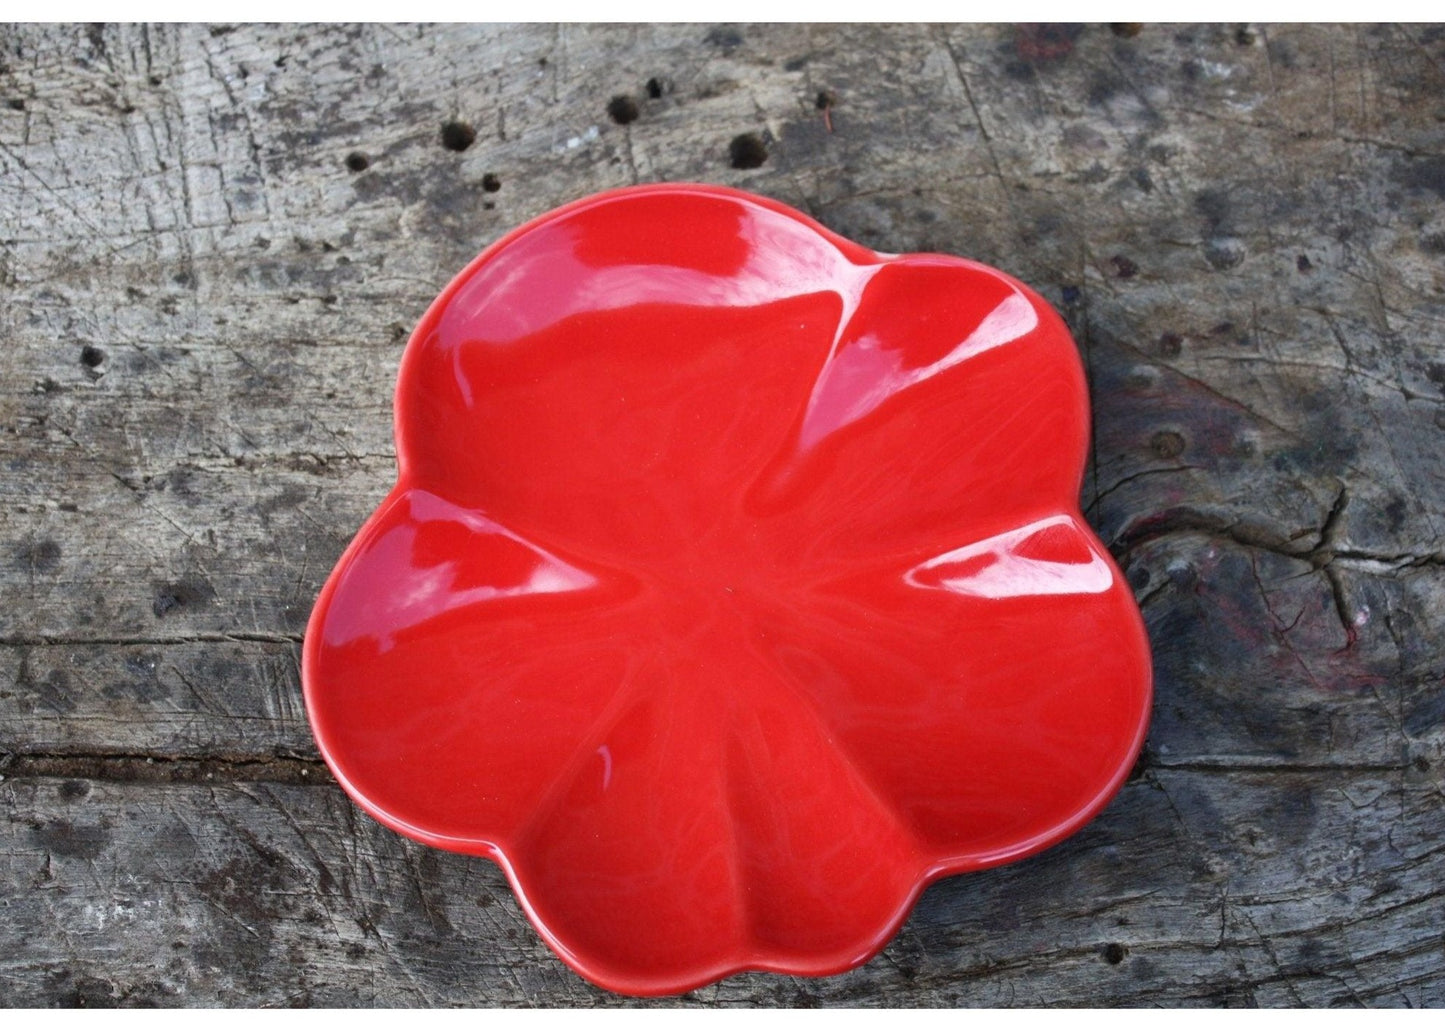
733,588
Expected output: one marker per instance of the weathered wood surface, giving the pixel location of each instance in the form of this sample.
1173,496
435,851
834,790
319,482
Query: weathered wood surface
213,242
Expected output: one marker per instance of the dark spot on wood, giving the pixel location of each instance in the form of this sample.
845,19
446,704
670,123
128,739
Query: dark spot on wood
1141,765
1434,243
825,100
53,694
43,556
1103,87
1424,174
1167,444
623,109
180,482
1143,179
1297,810
73,789
1426,716
290,496
1115,953
147,994
83,992
656,87
1019,71
1213,204
141,682
1395,512
186,594
1245,35
91,356
1124,267
357,162
241,889
1126,29
325,881
1043,43
458,136
746,152
491,183
1303,264
16,104
724,37
1170,345
1311,952
70,840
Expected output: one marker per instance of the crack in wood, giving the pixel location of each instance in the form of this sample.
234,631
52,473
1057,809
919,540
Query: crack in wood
152,768
32,641
133,766
1257,535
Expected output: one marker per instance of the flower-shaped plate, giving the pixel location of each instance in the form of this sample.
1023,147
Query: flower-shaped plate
732,589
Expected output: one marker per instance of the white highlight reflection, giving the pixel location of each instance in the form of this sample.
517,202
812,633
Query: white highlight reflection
1021,562
402,594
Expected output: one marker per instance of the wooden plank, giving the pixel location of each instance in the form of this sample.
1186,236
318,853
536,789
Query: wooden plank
1311,701
205,547
1195,887
195,700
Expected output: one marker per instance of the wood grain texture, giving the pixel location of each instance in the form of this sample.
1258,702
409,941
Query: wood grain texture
214,241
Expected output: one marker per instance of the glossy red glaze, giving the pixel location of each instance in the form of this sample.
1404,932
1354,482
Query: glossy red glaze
732,589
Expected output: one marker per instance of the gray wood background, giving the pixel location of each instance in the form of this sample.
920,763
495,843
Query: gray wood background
214,241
